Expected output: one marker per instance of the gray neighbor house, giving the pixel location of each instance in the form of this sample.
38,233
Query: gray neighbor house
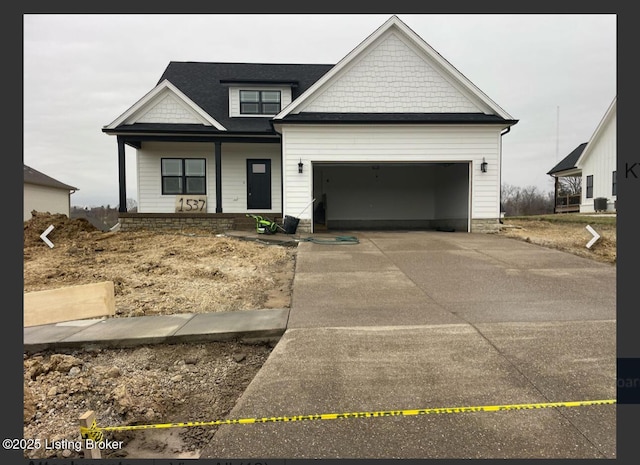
391,136
44,194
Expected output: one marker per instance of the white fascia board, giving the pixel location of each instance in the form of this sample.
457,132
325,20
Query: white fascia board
596,134
567,173
394,21
152,94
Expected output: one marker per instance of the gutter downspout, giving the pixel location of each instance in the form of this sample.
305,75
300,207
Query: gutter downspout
506,131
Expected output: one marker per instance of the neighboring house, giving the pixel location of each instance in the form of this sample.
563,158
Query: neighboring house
45,194
392,136
595,163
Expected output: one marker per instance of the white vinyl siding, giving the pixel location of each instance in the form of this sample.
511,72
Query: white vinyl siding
600,162
393,143
392,77
234,99
170,110
234,177
150,198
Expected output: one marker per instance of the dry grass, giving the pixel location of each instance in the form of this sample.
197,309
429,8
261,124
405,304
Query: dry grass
568,233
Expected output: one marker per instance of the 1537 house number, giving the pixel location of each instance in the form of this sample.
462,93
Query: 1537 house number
191,204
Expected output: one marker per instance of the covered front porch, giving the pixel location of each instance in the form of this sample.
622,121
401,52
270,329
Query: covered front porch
233,176
567,191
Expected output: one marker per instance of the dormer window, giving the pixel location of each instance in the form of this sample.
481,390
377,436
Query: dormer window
259,102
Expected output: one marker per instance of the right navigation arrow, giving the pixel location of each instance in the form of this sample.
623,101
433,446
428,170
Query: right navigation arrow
595,237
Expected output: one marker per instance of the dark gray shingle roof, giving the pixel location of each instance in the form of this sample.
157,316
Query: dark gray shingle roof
569,162
207,85
31,176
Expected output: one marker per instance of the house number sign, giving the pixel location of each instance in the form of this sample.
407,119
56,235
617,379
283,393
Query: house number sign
191,204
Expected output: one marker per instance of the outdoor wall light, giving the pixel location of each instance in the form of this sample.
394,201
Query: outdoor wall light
483,165
300,166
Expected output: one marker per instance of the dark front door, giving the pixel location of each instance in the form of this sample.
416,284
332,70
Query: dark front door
258,184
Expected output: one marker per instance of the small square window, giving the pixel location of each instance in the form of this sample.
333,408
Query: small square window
172,185
171,167
194,167
259,168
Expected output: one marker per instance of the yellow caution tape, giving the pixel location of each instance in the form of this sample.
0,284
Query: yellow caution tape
94,433
337,416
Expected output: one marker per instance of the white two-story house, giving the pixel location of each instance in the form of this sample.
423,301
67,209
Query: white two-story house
391,136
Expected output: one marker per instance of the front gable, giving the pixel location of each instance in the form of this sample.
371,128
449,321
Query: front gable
394,71
392,77
165,104
603,140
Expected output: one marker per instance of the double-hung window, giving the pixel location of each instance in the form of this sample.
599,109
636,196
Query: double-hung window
184,176
259,102
614,184
590,186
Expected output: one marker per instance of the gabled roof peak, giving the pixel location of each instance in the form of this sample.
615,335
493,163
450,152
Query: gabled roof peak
409,35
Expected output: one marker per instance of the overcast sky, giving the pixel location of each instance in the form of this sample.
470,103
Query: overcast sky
555,73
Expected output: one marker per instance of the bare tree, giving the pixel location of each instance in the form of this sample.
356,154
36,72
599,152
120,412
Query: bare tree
570,185
519,201
131,204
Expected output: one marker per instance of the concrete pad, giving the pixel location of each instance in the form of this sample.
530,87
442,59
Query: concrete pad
127,331
334,370
470,276
543,310
572,359
362,298
230,325
412,240
41,337
562,358
537,434
364,245
343,260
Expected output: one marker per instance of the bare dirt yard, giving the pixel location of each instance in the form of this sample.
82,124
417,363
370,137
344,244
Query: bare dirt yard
187,272
153,274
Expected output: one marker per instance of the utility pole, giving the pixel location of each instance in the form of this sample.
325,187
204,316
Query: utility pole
557,133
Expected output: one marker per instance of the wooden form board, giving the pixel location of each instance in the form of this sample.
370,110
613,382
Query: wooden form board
69,303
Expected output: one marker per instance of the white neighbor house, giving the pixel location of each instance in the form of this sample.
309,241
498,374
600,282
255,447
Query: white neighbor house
595,162
392,136
43,194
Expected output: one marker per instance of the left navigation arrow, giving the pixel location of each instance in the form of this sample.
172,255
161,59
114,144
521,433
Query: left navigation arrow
44,235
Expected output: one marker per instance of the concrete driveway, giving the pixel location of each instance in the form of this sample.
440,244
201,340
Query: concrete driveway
420,320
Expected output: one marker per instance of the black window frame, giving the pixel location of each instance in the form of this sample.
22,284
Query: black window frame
261,103
614,184
183,176
590,186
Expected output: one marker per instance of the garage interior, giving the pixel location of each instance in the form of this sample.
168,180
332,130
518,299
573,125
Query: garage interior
385,196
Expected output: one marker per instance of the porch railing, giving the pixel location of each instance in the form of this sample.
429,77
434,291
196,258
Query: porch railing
568,203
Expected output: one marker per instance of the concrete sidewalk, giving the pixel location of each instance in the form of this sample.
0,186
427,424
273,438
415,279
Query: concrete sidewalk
249,325
416,320
246,325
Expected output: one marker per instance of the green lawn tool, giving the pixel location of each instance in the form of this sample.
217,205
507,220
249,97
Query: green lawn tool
264,225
